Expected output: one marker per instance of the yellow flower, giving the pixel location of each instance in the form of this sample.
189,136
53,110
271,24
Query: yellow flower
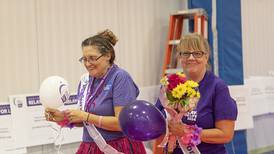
180,74
175,94
191,92
192,84
179,91
164,81
198,95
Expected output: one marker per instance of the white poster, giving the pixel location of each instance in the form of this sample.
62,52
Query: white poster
28,121
7,144
269,92
257,99
13,151
240,93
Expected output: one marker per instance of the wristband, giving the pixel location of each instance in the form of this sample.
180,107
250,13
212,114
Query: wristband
100,121
87,117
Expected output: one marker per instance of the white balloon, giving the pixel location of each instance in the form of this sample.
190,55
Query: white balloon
54,92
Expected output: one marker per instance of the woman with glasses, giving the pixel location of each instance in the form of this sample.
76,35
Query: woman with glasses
102,93
216,111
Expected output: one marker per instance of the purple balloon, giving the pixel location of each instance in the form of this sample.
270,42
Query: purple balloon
142,121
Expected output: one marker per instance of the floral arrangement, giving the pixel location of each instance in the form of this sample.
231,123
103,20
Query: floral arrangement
180,96
180,92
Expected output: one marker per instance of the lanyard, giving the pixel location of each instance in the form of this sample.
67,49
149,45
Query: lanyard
90,99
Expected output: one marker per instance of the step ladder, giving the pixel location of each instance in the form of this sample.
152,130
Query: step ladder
176,27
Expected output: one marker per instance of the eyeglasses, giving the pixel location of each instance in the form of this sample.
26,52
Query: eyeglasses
90,59
195,54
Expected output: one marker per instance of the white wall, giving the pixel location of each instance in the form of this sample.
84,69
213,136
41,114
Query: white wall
40,38
18,48
258,36
258,46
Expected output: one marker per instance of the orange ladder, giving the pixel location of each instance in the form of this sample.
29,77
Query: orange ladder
176,25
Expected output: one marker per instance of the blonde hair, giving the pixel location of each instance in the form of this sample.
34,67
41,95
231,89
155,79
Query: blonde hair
194,42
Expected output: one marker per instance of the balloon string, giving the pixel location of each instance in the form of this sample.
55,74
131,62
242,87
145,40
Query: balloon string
59,134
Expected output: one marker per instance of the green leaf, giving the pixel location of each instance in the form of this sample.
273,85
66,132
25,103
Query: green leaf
170,97
171,103
184,102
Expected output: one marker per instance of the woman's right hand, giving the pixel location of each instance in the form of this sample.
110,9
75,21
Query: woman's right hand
176,128
54,115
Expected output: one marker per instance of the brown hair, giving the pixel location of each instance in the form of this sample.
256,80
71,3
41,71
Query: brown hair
104,41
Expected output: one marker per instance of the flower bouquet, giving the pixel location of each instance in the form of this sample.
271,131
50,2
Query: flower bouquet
180,96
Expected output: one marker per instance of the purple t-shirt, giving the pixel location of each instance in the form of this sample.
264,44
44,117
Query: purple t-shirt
118,90
215,104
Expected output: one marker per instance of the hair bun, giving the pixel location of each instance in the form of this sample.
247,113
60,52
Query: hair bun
109,35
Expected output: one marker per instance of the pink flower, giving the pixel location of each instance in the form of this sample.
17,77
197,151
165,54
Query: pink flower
174,80
192,137
186,139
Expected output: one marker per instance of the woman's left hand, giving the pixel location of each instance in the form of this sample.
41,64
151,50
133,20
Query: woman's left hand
176,128
76,116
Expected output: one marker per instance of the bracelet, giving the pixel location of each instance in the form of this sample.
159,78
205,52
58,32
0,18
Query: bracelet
87,117
100,121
